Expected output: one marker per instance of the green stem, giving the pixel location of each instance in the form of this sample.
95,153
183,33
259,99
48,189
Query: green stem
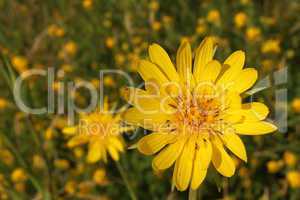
192,194
125,179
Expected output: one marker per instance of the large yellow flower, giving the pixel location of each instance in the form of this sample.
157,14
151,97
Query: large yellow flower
195,111
102,131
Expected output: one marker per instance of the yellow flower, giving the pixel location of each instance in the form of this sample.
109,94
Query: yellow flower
18,175
70,187
154,5
274,166
101,130
6,157
213,16
108,81
289,158
78,151
38,162
296,105
55,31
70,48
3,103
99,177
267,64
110,42
87,4
61,164
253,34
240,19
271,46
20,187
293,178
19,63
156,25
195,112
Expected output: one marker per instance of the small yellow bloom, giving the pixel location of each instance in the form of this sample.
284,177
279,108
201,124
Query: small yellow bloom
109,81
49,134
110,42
20,63
290,53
61,164
271,46
289,158
38,162
99,177
201,29
240,19
6,157
154,5
102,131
78,151
267,64
67,67
87,4
213,16
253,34
156,25
274,166
70,187
244,172
3,103
167,19
293,178
55,31
85,188
296,105
18,175
120,59
70,48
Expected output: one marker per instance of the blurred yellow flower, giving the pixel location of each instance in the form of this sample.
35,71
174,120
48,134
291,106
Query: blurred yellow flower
70,48
167,19
99,177
271,46
87,4
102,131
188,126
156,25
3,103
85,188
20,186
18,175
293,178
120,59
267,64
289,158
296,105
78,151
55,31
70,187
290,53
38,162
213,16
154,5
274,166
62,164
253,33
110,42
109,81
20,63
67,67
6,157
240,19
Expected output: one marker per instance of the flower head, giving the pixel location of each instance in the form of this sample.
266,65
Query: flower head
195,111
101,130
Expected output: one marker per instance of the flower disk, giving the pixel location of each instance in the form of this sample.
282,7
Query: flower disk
195,111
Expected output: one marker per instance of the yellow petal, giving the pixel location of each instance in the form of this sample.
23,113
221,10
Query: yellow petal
113,153
185,166
244,80
254,128
255,111
150,71
234,63
77,140
148,121
154,142
234,143
168,155
160,57
222,161
70,130
94,153
117,143
203,156
204,54
210,72
233,101
184,62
